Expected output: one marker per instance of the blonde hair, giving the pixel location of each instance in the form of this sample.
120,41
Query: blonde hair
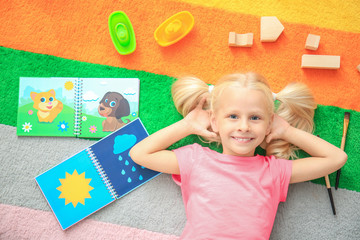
296,103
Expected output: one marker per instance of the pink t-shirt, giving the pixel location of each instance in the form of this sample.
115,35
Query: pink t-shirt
230,197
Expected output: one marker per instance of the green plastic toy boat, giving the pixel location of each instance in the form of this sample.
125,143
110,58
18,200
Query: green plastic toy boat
122,33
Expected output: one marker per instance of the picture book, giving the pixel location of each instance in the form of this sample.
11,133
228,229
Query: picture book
81,107
96,176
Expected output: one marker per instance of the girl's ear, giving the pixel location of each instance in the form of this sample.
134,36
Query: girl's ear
213,122
271,120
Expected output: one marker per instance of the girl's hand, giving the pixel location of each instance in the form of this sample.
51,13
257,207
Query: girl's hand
198,120
325,157
278,128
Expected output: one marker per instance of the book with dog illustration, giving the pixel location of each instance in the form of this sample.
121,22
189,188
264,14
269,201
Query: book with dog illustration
82,107
96,176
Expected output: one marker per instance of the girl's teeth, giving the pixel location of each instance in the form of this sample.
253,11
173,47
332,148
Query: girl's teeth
243,139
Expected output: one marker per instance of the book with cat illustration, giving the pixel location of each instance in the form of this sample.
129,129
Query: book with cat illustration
81,107
96,176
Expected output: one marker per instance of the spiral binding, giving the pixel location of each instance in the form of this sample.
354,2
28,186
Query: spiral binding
102,173
77,106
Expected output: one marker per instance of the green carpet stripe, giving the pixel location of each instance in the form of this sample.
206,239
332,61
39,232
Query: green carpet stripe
156,107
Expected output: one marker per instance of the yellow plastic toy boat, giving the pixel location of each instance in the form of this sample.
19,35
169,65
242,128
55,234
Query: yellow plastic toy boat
174,28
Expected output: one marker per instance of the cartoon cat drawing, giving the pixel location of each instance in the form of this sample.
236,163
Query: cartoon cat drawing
47,105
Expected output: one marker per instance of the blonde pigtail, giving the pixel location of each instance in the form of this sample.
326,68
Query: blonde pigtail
187,92
296,106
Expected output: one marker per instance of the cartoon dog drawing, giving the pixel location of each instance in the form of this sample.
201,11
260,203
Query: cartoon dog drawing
47,105
113,106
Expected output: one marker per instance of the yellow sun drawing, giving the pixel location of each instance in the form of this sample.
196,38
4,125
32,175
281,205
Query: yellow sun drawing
69,85
75,188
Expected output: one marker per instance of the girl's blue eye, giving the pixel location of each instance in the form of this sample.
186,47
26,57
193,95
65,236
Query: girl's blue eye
112,104
255,118
42,99
106,100
233,116
51,99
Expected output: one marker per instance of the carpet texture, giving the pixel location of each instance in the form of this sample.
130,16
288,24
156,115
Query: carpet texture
71,39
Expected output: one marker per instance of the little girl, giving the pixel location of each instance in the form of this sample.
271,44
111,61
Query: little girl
235,194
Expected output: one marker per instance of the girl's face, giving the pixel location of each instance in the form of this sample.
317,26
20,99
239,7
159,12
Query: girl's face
241,119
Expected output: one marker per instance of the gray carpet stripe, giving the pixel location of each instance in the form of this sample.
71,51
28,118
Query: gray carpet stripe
157,205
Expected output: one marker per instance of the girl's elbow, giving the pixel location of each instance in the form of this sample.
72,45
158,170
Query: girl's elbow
339,159
342,159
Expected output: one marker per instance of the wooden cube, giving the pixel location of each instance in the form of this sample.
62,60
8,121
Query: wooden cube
312,42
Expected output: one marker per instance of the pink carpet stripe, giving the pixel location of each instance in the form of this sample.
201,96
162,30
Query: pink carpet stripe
24,223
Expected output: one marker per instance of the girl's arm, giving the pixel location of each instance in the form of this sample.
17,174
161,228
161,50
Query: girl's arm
326,158
151,152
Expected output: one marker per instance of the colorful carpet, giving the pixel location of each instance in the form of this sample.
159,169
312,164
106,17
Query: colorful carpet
71,39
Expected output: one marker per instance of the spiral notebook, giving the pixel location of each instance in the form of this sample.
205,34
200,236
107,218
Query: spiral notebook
96,176
80,107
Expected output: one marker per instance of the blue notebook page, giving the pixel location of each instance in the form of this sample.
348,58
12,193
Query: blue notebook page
96,176
113,155
74,189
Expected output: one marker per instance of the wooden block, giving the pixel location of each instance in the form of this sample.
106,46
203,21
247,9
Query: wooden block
270,29
244,40
241,40
320,61
232,39
358,67
312,42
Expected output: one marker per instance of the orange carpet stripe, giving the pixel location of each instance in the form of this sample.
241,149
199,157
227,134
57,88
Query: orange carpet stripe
79,31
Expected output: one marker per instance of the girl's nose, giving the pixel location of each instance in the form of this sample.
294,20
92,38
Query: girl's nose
243,125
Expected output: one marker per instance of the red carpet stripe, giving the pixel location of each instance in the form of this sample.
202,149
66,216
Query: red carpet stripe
24,223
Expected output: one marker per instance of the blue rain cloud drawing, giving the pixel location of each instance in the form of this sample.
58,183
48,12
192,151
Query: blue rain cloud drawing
130,170
123,143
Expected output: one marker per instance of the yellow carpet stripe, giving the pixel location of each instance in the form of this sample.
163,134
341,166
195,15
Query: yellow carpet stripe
333,14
